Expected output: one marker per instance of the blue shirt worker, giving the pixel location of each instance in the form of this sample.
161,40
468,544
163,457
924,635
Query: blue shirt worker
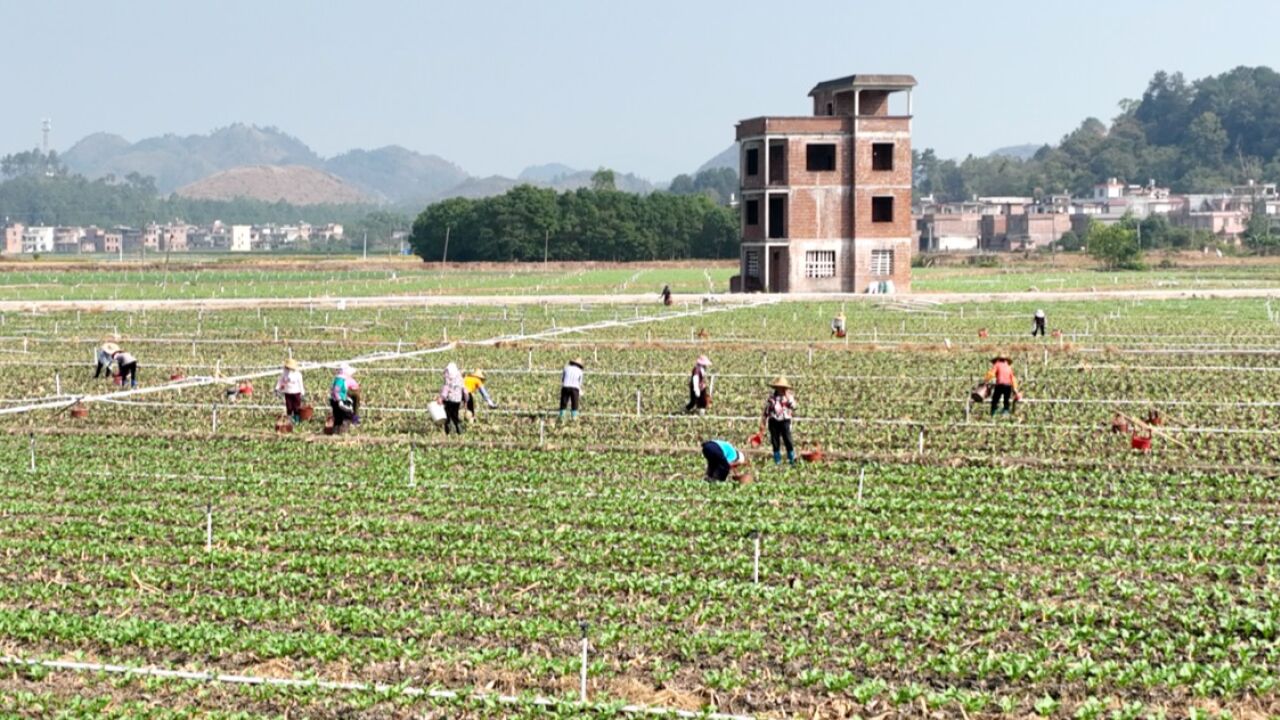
722,458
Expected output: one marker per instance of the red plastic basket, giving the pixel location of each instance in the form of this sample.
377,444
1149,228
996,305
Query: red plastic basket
1141,443
755,440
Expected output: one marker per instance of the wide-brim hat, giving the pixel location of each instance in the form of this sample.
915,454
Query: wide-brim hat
477,373
1003,358
291,364
780,382
840,315
110,348
578,361
345,369
704,360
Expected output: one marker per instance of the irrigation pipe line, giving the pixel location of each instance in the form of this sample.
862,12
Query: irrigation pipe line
799,421
381,688
191,383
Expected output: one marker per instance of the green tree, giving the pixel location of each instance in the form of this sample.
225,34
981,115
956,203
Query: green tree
1115,246
603,179
1258,235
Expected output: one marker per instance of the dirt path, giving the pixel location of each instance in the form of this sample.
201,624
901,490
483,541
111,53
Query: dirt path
10,306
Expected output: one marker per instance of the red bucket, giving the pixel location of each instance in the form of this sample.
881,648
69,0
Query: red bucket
306,412
755,440
1141,443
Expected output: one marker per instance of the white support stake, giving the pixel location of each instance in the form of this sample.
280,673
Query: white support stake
920,449
810,356
862,474
57,384
32,444
637,403
542,431
215,418
277,333
529,361
413,470
208,527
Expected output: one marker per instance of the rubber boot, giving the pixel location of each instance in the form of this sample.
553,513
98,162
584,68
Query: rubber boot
296,418
573,414
791,457
777,458
560,416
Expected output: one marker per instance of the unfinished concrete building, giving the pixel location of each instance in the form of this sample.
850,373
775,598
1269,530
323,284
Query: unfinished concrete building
826,199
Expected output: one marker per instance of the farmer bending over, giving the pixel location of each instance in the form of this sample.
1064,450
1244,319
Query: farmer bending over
571,387
722,459
127,366
473,383
103,357
1004,384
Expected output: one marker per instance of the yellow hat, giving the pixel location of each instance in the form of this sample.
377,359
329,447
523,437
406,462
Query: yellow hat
477,373
291,364
780,382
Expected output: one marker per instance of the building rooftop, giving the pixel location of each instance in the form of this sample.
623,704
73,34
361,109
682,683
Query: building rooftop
878,82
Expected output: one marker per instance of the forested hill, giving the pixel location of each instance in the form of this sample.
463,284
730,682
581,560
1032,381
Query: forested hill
1200,136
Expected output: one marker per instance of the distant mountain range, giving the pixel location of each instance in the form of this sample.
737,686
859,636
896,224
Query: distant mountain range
390,174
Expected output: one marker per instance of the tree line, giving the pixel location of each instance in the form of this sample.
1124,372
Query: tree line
1201,136
598,223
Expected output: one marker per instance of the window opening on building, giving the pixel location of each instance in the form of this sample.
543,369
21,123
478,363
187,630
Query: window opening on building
882,156
820,157
882,209
881,262
753,161
820,263
752,212
777,216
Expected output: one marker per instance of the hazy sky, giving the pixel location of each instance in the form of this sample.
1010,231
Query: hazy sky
652,86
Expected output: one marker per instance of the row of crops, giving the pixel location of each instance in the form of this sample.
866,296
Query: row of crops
126,281
938,561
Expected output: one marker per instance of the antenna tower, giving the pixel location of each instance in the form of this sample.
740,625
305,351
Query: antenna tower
46,125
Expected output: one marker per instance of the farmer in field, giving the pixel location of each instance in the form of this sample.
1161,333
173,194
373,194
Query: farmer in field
473,383
699,388
127,367
453,393
778,411
343,398
666,294
104,356
290,387
1004,385
571,388
837,326
1038,329
722,458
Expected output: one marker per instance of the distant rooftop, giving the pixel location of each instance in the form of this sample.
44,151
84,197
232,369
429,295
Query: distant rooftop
879,82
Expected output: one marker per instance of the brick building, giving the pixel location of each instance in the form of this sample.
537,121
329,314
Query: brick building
826,199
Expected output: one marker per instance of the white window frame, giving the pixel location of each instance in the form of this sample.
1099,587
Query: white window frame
753,263
882,263
819,264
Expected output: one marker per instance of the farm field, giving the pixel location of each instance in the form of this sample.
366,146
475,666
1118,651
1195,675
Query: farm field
938,561
228,278
232,277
